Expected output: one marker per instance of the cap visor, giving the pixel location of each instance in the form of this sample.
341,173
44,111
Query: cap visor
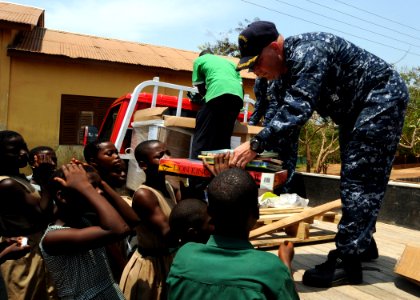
246,62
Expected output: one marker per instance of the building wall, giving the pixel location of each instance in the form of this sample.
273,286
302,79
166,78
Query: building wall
37,83
5,38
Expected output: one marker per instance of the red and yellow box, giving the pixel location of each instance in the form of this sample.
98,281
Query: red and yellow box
192,167
184,166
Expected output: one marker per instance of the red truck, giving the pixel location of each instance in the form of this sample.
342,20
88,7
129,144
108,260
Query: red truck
117,122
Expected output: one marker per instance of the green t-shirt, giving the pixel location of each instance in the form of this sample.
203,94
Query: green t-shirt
227,268
219,76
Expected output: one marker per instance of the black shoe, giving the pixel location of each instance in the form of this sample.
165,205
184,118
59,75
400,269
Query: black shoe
370,253
337,270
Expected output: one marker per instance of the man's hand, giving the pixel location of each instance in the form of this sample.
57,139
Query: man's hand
242,155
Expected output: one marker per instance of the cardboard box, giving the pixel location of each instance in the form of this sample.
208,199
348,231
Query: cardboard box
192,167
241,131
269,181
151,113
177,140
244,132
183,122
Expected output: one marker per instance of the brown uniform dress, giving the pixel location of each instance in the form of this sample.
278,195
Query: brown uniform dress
25,278
145,274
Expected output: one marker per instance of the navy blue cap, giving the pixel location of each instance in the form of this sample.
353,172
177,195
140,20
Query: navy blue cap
252,40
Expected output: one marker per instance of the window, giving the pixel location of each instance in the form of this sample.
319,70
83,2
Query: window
85,119
78,111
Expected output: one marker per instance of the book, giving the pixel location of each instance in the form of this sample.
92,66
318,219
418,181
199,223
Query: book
184,166
266,164
214,152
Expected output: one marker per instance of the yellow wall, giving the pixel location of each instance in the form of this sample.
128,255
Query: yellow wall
36,86
5,37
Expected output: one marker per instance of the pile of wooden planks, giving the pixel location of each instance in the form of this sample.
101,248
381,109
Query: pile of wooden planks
294,224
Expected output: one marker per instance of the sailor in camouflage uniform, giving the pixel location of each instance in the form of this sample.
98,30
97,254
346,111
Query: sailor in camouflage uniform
268,96
364,96
265,103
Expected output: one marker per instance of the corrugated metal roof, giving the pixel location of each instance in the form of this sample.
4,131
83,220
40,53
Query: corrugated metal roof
77,46
20,14
52,42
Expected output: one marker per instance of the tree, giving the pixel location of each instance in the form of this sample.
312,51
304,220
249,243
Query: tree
225,46
329,145
410,138
319,138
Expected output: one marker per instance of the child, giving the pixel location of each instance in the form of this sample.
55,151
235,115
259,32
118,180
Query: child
43,162
22,213
190,222
145,274
104,157
76,244
11,248
228,266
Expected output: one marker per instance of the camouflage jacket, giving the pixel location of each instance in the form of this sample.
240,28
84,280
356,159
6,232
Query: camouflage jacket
330,75
267,101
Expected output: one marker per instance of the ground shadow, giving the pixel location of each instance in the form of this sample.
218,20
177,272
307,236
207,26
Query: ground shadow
377,271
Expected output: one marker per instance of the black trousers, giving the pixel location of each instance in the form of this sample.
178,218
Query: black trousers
214,124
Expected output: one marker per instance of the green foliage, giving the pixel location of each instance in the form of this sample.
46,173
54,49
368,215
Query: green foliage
410,139
227,43
318,142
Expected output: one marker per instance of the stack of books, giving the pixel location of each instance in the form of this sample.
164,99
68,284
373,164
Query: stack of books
267,172
265,162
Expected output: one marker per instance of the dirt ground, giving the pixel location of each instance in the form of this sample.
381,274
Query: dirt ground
396,174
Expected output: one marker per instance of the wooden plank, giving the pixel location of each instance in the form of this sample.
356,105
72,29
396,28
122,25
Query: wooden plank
299,230
272,217
278,210
377,285
329,216
305,214
276,242
408,265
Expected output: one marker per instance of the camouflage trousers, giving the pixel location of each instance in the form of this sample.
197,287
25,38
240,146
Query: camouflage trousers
368,146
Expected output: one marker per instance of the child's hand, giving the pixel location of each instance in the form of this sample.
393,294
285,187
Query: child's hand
16,248
286,253
75,177
45,159
221,163
78,162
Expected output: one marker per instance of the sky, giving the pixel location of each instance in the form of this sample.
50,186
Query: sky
388,28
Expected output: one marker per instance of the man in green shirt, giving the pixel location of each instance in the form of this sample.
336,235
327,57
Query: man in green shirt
228,267
220,85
